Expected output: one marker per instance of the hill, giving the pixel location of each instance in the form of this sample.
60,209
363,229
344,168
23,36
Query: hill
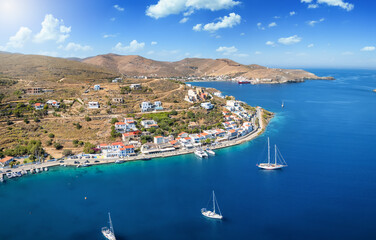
42,68
133,65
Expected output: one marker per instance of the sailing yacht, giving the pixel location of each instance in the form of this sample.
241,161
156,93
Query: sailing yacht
210,152
277,164
283,105
212,214
109,233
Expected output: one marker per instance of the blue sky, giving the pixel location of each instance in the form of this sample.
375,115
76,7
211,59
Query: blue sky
275,33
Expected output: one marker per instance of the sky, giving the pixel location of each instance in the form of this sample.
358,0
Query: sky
273,33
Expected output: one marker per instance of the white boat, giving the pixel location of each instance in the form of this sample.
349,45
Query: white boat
212,214
37,170
282,105
46,169
119,161
200,153
278,163
210,152
109,233
2,178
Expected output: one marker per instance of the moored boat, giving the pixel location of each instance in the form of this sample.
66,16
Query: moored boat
212,214
109,233
278,163
210,152
200,153
244,82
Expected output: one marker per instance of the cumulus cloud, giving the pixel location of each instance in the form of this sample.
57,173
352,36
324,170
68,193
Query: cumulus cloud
259,26
313,22
52,29
292,13
368,49
167,7
109,35
133,46
310,45
336,3
76,47
117,7
226,22
242,34
18,40
272,24
197,27
153,43
227,50
183,20
290,40
270,43
258,53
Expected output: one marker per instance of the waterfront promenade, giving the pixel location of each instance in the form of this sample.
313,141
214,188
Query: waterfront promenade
101,160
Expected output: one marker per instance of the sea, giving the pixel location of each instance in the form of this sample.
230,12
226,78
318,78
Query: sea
326,133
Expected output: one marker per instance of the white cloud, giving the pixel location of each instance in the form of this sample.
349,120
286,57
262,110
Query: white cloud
18,40
368,49
167,7
227,50
150,52
109,35
76,47
112,19
270,43
338,3
313,22
52,29
310,45
183,20
226,22
153,43
197,27
242,34
259,26
347,53
272,24
276,17
290,40
133,46
313,6
258,53
117,7
292,13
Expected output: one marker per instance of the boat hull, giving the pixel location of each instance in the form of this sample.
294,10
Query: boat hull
210,214
266,166
108,234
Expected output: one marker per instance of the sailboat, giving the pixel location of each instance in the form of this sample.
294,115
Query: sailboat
212,214
109,233
282,105
277,164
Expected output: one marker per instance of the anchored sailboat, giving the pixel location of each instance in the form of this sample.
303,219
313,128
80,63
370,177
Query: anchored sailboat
212,214
279,162
282,105
109,233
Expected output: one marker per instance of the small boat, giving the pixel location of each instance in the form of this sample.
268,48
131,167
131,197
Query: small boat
277,164
19,174
24,172
119,161
2,179
282,105
109,233
9,175
37,170
244,82
210,152
32,170
46,169
200,153
212,214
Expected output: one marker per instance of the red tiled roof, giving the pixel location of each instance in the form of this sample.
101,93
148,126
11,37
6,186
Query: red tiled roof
187,138
117,143
158,137
120,123
103,145
127,147
38,104
182,133
6,159
173,142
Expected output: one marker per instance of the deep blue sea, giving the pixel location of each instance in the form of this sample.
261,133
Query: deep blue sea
326,133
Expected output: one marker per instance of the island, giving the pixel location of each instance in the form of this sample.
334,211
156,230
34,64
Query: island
68,113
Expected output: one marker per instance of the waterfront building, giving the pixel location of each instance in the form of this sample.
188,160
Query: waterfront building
5,161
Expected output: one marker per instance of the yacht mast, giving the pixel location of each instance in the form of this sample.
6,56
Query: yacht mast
213,202
268,152
111,227
275,154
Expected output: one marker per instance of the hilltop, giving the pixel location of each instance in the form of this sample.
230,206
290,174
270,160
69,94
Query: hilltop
134,65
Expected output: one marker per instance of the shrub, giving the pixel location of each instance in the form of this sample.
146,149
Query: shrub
51,135
58,146
88,119
114,120
26,120
67,152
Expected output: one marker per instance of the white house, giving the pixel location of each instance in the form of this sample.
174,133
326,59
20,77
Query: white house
38,106
207,105
149,123
135,86
97,87
219,94
93,105
146,106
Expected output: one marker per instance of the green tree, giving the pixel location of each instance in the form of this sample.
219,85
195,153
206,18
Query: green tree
51,135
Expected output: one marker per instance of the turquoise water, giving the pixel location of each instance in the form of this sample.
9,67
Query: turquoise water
326,133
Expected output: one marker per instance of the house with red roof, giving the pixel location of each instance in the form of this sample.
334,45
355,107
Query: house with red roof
38,106
5,161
